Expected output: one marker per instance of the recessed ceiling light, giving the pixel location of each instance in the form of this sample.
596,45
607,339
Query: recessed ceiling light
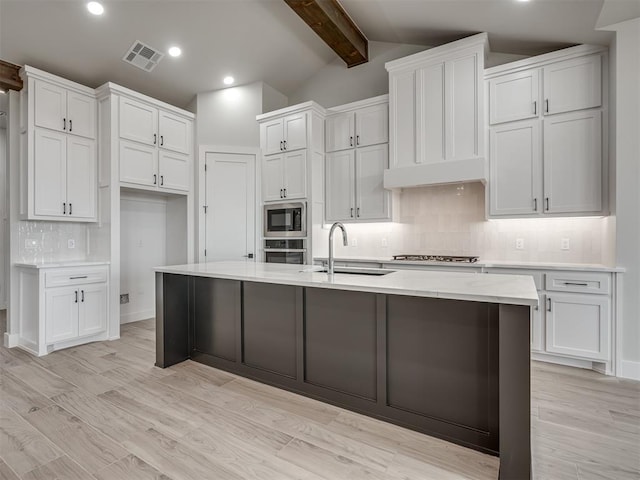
228,80
175,51
95,8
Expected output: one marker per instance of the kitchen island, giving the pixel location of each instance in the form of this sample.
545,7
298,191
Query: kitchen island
446,354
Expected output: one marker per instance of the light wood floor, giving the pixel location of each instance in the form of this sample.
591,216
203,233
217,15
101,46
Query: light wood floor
102,411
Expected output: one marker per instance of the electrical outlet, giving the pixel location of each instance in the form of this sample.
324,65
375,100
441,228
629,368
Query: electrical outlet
71,243
124,298
354,242
31,243
384,243
564,244
519,243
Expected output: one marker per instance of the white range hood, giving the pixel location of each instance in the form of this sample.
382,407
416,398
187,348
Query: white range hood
439,173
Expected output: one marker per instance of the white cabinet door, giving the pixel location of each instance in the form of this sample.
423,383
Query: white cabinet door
50,103
402,118
138,163
461,108
372,200
138,122
514,97
295,132
175,132
81,178
295,175
49,173
61,314
272,136
574,84
92,309
340,134
339,185
573,162
81,115
372,125
272,178
578,325
514,163
173,169
431,116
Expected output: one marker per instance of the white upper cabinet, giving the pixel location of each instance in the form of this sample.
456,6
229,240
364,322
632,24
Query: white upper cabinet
340,186
359,128
372,200
431,146
273,178
514,97
64,110
173,171
175,132
574,84
546,136
402,118
295,174
138,164
57,149
138,121
340,131
284,134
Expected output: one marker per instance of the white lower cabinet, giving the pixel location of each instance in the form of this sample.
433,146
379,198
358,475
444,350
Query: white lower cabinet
62,306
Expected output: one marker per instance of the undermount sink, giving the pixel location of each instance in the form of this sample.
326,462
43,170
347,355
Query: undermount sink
359,271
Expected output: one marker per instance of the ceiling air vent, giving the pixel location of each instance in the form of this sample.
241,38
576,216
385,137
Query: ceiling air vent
143,56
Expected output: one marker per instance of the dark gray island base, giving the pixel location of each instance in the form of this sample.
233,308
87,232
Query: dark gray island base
454,369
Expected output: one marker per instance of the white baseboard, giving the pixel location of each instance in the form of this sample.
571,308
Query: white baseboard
629,369
136,316
10,340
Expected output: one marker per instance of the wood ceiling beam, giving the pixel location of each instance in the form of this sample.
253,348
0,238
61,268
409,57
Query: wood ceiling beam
332,23
10,76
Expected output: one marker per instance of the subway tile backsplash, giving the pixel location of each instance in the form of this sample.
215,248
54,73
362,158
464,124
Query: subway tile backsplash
450,220
40,242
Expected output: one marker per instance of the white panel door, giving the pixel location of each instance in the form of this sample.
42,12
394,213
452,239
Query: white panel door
230,199
295,132
461,90
340,134
573,162
431,119
138,163
573,85
50,178
372,200
578,325
402,118
81,115
340,186
174,170
515,176
92,309
50,106
514,97
61,314
272,137
81,178
372,125
295,174
273,178
138,122
175,132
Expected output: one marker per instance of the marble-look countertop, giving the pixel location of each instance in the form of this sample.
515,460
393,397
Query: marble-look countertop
508,289
583,267
62,264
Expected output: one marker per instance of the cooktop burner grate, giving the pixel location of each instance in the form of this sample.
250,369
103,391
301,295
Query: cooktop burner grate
437,258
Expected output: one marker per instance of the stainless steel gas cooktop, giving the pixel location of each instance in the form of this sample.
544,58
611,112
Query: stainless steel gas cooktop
436,258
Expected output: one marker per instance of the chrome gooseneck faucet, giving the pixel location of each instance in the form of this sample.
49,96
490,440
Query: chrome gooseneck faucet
345,242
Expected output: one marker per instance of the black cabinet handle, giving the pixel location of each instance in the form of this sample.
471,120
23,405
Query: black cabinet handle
70,208
161,179
70,125
78,277
535,204
357,139
64,208
82,300
576,284
535,107
285,144
547,204
155,138
64,123
548,304
546,105
280,193
351,141
358,212
281,145
285,193
76,300
351,214
162,140
155,179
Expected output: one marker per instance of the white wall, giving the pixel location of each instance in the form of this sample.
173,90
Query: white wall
4,219
143,223
272,99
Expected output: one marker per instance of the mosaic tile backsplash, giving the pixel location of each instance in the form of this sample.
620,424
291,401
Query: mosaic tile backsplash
49,242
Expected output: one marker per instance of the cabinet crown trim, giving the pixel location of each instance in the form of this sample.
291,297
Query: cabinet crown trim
301,107
440,53
545,59
31,72
111,88
367,102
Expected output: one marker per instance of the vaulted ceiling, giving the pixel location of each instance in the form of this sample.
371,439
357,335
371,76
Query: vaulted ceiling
262,39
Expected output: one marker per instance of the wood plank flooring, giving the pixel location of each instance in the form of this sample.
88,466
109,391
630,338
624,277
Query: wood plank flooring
104,412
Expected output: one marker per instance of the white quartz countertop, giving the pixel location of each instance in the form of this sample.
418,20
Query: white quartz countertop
79,263
508,289
584,267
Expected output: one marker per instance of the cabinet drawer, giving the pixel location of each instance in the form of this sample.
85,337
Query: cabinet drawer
538,277
579,282
60,278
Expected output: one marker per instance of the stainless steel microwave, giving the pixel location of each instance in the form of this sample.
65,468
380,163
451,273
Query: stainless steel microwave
285,220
